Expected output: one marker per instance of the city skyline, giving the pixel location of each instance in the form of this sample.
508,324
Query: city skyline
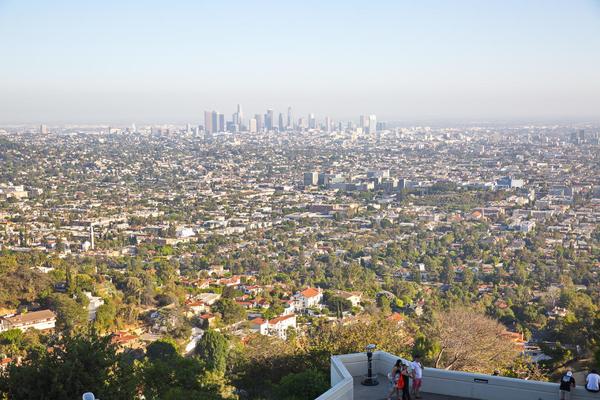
433,61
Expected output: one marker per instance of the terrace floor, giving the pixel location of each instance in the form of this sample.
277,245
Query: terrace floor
381,391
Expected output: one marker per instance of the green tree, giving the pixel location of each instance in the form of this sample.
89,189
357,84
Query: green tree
106,316
76,365
230,311
161,349
305,385
69,314
212,348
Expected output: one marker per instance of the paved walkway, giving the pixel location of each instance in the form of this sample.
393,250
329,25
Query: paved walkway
381,391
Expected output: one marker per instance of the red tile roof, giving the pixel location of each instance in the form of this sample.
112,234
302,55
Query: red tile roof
281,318
309,292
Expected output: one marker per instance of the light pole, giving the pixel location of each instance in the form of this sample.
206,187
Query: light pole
370,380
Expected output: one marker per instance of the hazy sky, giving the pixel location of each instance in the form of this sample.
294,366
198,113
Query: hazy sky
166,61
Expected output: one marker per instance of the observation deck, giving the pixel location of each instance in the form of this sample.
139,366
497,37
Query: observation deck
348,370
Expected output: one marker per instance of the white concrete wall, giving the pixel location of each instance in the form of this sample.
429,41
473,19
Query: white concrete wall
439,381
487,387
342,383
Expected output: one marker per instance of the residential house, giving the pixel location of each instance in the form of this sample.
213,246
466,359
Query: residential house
275,327
309,297
40,320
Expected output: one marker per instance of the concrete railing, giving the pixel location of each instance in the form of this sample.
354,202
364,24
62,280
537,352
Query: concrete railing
342,383
439,381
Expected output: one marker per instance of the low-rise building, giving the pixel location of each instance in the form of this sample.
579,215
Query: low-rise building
41,320
309,297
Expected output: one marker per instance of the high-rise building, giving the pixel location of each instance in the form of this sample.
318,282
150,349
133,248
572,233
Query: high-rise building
259,122
290,121
253,125
372,123
221,123
281,125
363,122
302,124
43,129
237,119
311,178
327,124
240,115
214,116
312,121
269,120
208,121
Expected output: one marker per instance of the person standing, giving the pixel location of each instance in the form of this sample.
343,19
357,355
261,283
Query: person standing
396,380
405,377
417,369
592,382
567,382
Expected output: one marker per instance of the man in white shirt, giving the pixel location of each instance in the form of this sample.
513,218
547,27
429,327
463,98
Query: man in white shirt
417,375
592,382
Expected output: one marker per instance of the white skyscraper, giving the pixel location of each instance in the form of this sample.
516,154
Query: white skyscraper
372,123
290,120
239,111
259,122
239,119
363,122
253,125
312,121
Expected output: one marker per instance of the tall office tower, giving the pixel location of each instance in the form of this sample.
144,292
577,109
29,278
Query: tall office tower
221,123
43,129
214,126
372,123
269,120
311,178
188,128
290,121
133,128
237,118
363,121
259,122
230,126
302,124
240,115
312,122
281,125
327,124
253,125
208,121
340,127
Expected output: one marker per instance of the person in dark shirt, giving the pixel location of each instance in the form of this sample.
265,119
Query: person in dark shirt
406,388
567,382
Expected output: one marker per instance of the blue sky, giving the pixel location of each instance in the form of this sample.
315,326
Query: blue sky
167,61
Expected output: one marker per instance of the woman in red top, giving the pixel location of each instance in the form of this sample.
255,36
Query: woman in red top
396,380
